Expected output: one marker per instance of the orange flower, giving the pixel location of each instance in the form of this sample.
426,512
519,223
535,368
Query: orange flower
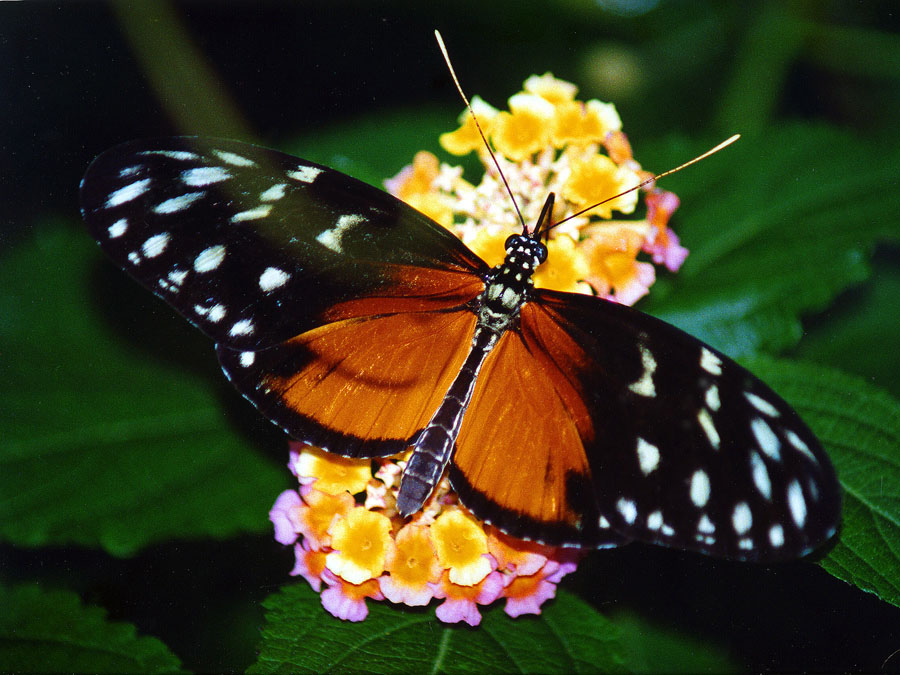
319,511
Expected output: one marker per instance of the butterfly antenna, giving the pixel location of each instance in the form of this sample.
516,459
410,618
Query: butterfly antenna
706,154
440,42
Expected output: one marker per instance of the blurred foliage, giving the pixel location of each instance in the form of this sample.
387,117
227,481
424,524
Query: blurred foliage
119,438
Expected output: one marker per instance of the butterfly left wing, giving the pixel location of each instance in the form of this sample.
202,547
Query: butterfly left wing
254,246
661,439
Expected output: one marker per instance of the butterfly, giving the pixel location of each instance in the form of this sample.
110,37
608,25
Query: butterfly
361,326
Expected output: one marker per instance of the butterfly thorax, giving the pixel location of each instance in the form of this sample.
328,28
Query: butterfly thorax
509,283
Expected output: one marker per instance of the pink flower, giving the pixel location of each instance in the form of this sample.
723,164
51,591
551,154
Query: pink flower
348,601
309,564
285,515
461,602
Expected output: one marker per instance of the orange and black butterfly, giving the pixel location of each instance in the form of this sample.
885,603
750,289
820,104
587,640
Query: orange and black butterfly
361,326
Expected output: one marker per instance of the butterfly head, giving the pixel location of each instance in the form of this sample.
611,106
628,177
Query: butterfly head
527,247
522,248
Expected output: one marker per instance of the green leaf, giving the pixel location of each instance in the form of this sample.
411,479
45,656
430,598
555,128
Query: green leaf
777,226
51,631
854,333
299,636
103,444
652,649
859,426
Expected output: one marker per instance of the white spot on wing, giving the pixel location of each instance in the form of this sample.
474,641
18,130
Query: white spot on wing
648,456
128,193
204,175
628,509
760,475
776,535
247,359
155,245
655,520
216,313
134,258
242,327
273,278
209,259
274,193
706,525
742,518
304,174
709,428
179,203
797,503
177,276
117,229
710,362
233,158
745,543
761,404
700,488
260,211
332,238
798,443
644,386
712,398
603,522
766,439
181,155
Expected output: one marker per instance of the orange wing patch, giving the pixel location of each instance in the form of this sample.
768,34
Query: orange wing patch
521,446
372,378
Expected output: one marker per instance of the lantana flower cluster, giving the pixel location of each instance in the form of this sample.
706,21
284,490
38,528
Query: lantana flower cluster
343,524
549,142
350,543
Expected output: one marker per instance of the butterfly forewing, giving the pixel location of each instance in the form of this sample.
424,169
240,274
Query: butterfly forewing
687,448
254,246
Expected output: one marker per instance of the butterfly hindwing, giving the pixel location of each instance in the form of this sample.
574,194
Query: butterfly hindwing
254,246
360,387
686,448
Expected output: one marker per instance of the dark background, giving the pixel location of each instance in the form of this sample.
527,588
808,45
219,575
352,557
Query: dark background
77,78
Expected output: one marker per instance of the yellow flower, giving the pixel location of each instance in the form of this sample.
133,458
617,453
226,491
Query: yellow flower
595,178
361,542
461,545
525,130
334,474
412,564
577,122
487,244
569,266
466,139
550,88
